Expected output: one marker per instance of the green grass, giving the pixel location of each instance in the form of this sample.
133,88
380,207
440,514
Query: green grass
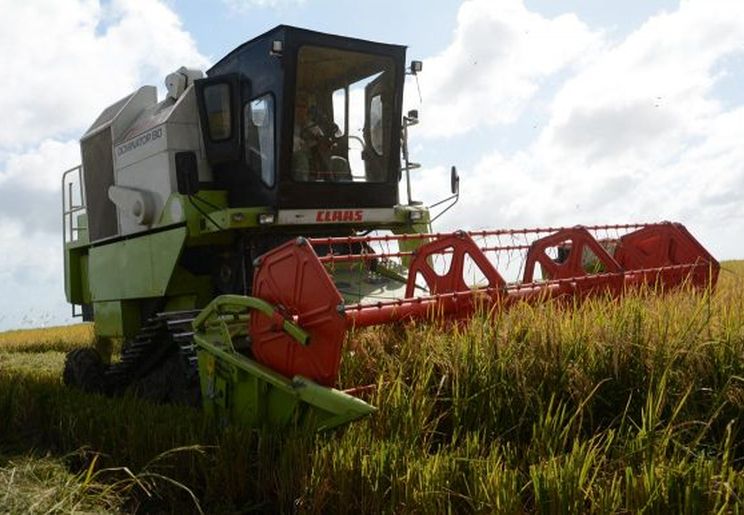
608,406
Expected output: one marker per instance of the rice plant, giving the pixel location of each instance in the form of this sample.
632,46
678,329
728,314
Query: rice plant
604,406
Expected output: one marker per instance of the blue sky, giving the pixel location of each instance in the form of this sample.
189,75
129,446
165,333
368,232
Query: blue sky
420,25
555,112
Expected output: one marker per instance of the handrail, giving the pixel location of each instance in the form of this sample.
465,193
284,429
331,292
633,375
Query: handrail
68,208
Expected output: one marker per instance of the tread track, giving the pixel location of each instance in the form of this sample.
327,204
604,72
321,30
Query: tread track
160,363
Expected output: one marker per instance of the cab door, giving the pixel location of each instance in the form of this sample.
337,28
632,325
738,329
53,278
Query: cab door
219,100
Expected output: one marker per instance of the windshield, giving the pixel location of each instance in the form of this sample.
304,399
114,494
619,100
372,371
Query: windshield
342,116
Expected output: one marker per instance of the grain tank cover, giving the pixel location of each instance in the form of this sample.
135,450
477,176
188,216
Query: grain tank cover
98,160
129,156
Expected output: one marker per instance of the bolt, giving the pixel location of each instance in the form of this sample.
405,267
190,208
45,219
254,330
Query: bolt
341,309
300,241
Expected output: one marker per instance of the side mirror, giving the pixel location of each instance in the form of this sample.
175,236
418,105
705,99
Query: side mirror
451,200
187,173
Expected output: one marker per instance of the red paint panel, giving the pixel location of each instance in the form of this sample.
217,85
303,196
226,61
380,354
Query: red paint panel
666,245
460,245
292,278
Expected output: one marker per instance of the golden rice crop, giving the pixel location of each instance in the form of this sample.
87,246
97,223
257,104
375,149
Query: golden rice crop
608,405
61,338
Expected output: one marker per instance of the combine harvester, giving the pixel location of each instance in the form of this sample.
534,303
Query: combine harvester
233,233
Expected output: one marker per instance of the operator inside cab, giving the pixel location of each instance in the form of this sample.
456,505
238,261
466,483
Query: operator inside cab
342,116
311,148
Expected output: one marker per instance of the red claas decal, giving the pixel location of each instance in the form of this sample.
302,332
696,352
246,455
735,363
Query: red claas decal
339,215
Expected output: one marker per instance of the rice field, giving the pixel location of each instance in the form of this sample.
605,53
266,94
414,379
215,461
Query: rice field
60,339
609,406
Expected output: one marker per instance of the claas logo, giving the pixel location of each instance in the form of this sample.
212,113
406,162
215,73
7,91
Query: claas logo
339,215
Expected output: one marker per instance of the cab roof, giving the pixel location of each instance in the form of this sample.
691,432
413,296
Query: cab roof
289,34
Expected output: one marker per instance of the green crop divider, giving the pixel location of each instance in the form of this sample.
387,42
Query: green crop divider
236,305
333,407
252,393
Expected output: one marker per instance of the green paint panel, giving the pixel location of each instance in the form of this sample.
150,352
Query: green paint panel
76,275
116,319
139,267
82,229
362,286
236,389
73,276
181,303
84,278
184,285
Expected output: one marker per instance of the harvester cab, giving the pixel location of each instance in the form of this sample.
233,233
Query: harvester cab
308,124
232,233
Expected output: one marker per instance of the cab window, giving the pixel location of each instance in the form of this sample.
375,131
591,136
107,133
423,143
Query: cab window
258,120
376,124
342,116
217,106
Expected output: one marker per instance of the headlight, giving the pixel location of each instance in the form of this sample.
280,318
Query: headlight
266,218
416,215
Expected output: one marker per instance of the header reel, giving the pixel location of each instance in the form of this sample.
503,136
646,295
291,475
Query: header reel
312,291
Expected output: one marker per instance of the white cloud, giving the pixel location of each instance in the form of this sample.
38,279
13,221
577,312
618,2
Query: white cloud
39,169
500,54
646,94
30,185
31,277
64,62
634,133
243,6
68,61
644,112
